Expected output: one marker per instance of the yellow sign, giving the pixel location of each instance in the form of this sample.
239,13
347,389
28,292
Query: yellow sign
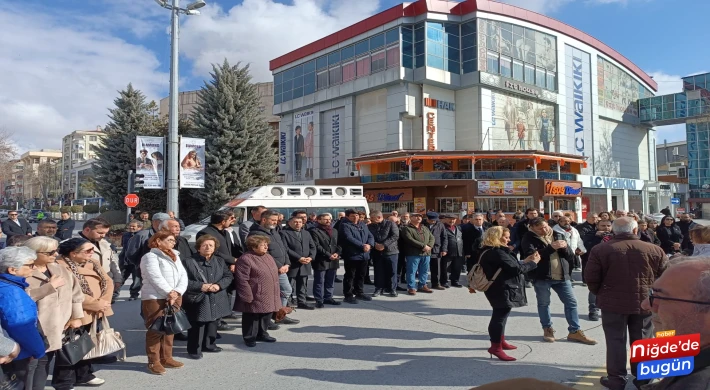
502,188
665,333
420,205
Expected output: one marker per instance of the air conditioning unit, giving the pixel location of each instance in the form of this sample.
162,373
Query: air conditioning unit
354,173
682,172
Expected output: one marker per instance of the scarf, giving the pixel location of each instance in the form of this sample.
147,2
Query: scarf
547,239
82,281
327,228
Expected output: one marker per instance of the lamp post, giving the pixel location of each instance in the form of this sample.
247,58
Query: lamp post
173,143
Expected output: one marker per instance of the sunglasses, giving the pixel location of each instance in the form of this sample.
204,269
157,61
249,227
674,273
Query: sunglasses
52,253
651,297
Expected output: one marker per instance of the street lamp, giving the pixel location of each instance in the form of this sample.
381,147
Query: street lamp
173,143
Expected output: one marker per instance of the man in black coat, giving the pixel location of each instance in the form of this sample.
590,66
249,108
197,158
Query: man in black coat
16,226
301,251
589,227
128,268
277,250
437,266
686,224
385,254
472,238
327,261
65,227
357,242
552,273
454,252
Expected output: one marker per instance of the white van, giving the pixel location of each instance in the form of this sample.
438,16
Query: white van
288,198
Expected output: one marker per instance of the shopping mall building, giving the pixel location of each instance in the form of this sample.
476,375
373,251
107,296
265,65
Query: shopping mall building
471,105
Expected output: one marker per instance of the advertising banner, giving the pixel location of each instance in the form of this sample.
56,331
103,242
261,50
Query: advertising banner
389,196
192,160
563,188
150,152
617,89
520,124
420,205
501,188
303,132
332,154
579,103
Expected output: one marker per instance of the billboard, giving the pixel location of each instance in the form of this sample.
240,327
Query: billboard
150,154
519,123
501,188
303,133
332,153
617,89
579,103
192,162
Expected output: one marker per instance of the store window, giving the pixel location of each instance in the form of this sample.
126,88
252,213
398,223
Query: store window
635,201
442,40
468,46
448,205
507,205
401,207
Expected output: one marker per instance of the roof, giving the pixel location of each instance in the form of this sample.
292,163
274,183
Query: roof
406,154
457,8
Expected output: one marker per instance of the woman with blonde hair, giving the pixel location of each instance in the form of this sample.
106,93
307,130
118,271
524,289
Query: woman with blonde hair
164,282
507,290
59,300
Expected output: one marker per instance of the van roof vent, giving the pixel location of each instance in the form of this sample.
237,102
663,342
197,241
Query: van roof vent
356,191
294,191
326,191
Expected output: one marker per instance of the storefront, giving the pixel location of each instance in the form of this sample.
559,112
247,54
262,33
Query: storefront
506,195
388,200
612,193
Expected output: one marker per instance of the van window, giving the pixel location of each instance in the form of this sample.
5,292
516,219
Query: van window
238,213
317,210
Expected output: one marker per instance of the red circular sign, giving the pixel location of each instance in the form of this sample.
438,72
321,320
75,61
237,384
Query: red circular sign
131,200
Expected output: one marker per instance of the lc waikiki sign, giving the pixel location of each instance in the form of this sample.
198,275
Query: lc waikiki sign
666,355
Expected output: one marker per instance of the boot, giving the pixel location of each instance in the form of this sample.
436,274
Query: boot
496,350
505,345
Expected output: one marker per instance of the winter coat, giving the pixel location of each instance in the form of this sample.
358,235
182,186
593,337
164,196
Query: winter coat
532,243
387,234
508,289
620,273
56,306
521,228
649,236
213,305
297,246
125,239
225,249
138,246
685,228
245,228
184,248
701,250
326,245
107,257
472,240
668,236
454,242
92,302
438,231
277,247
352,238
257,284
586,228
161,275
414,240
65,229
11,228
18,316
572,237
7,345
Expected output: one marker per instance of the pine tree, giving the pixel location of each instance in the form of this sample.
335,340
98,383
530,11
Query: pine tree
238,149
117,155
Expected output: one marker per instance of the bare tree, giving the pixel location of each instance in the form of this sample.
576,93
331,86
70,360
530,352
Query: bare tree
46,178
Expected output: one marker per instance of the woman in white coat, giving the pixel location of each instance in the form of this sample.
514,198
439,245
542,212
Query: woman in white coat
164,281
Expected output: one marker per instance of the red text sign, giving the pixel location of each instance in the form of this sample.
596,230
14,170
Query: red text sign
665,348
131,200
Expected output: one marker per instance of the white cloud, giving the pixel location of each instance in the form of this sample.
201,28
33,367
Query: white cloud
56,79
258,31
539,6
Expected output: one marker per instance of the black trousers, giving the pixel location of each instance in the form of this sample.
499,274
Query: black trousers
299,284
615,326
134,272
385,270
64,378
457,263
402,268
438,266
496,327
201,335
38,372
354,279
255,325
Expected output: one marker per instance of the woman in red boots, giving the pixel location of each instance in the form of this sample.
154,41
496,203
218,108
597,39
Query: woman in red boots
508,289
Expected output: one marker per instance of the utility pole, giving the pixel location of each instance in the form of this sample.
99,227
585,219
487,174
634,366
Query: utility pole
131,178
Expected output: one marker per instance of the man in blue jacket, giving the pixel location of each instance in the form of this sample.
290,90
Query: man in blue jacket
357,241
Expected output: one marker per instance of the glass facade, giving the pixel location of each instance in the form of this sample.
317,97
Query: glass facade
361,59
675,106
617,89
443,46
516,52
698,137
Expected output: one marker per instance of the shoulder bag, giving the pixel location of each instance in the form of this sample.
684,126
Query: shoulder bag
195,297
11,382
76,343
477,280
107,341
173,321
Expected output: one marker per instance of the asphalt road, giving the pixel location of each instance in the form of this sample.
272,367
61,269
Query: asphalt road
428,341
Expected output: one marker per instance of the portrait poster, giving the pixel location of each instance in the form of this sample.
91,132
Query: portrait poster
303,136
192,162
150,155
522,124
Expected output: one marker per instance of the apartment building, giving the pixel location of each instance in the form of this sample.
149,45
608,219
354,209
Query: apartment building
78,155
41,171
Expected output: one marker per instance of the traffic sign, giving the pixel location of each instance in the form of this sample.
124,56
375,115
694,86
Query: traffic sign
131,200
675,200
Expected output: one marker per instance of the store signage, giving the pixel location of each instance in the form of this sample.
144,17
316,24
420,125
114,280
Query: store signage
282,148
433,103
615,183
500,188
521,88
431,131
335,130
303,114
563,188
420,205
389,196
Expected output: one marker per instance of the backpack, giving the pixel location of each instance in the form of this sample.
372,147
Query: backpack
477,279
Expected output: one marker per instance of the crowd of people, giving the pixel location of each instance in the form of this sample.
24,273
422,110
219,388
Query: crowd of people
633,268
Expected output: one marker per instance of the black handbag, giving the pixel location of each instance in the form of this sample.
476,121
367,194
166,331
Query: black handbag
173,321
195,297
11,382
76,343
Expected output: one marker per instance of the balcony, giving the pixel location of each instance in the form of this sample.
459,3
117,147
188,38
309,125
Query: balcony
466,175
453,175
395,176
